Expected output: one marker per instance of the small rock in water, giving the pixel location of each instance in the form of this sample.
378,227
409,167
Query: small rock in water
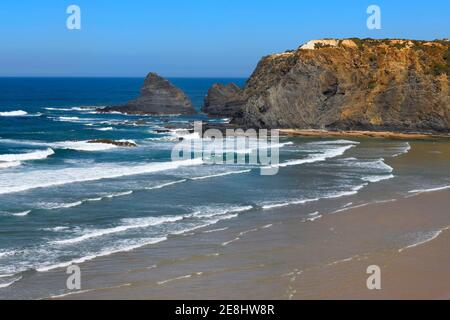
114,142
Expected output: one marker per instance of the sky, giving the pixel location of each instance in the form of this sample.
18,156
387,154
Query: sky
191,38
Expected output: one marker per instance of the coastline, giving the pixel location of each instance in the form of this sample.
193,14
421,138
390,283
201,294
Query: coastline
360,134
273,262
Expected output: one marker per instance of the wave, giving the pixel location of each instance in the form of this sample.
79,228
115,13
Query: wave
286,204
313,158
429,190
10,283
21,214
16,113
4,254
46,268
35,155
209,212
378,164
404,150
84,146
66,145
166,185
304,201
23,181
72,109
221,174
5,165
314,216
341,141
137,223
105,129
425,238
374,179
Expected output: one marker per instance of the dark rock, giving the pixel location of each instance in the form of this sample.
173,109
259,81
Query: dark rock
222,101
114,142
158,97
352,84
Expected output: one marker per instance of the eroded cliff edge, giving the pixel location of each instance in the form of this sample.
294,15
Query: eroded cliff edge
351,84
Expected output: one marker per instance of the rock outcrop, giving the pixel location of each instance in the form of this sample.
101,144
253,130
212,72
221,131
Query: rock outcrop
158,97
222,100
351,84
120,143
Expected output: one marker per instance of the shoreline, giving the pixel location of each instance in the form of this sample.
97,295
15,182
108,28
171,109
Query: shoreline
361,134
271,262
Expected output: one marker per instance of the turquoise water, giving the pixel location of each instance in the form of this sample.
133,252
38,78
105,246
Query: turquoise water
63,200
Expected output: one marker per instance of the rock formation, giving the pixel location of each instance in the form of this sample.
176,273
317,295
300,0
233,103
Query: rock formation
222,100
351,84
120,143
158,97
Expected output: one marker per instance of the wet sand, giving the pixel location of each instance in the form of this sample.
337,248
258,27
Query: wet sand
361,134
318,258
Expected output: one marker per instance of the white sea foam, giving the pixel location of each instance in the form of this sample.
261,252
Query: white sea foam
379,178
288,203
105,129
5,165
164,185
208,212
104,253
314,216
316,157
9,283
334,142
21,214
4,254
137,223
21,181
69,145
424,238
84,146
35,155
72,109
430,190
16,113
224,244
405,149
221,174
175,279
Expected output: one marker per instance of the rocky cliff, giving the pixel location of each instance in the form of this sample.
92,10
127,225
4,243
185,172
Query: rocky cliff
351,84
222,100
158,96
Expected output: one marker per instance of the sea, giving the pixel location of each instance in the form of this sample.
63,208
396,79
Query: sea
66,201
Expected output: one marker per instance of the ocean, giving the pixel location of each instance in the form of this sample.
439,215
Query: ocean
64,200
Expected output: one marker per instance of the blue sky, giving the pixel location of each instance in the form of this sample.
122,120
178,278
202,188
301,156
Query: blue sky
182,38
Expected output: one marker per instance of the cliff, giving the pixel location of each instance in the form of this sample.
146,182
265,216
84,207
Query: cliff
351,84
158,97
222,100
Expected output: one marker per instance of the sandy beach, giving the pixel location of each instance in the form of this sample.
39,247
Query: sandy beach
324,258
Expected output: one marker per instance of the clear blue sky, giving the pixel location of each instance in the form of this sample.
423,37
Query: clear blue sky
190,37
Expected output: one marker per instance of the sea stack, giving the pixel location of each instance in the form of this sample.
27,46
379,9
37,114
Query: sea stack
222,100
352,84
158,97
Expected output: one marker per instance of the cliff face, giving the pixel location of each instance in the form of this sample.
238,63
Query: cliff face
158,96
351,84
222,100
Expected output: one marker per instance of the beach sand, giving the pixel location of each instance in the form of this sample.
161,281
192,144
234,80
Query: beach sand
362,134
322,258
